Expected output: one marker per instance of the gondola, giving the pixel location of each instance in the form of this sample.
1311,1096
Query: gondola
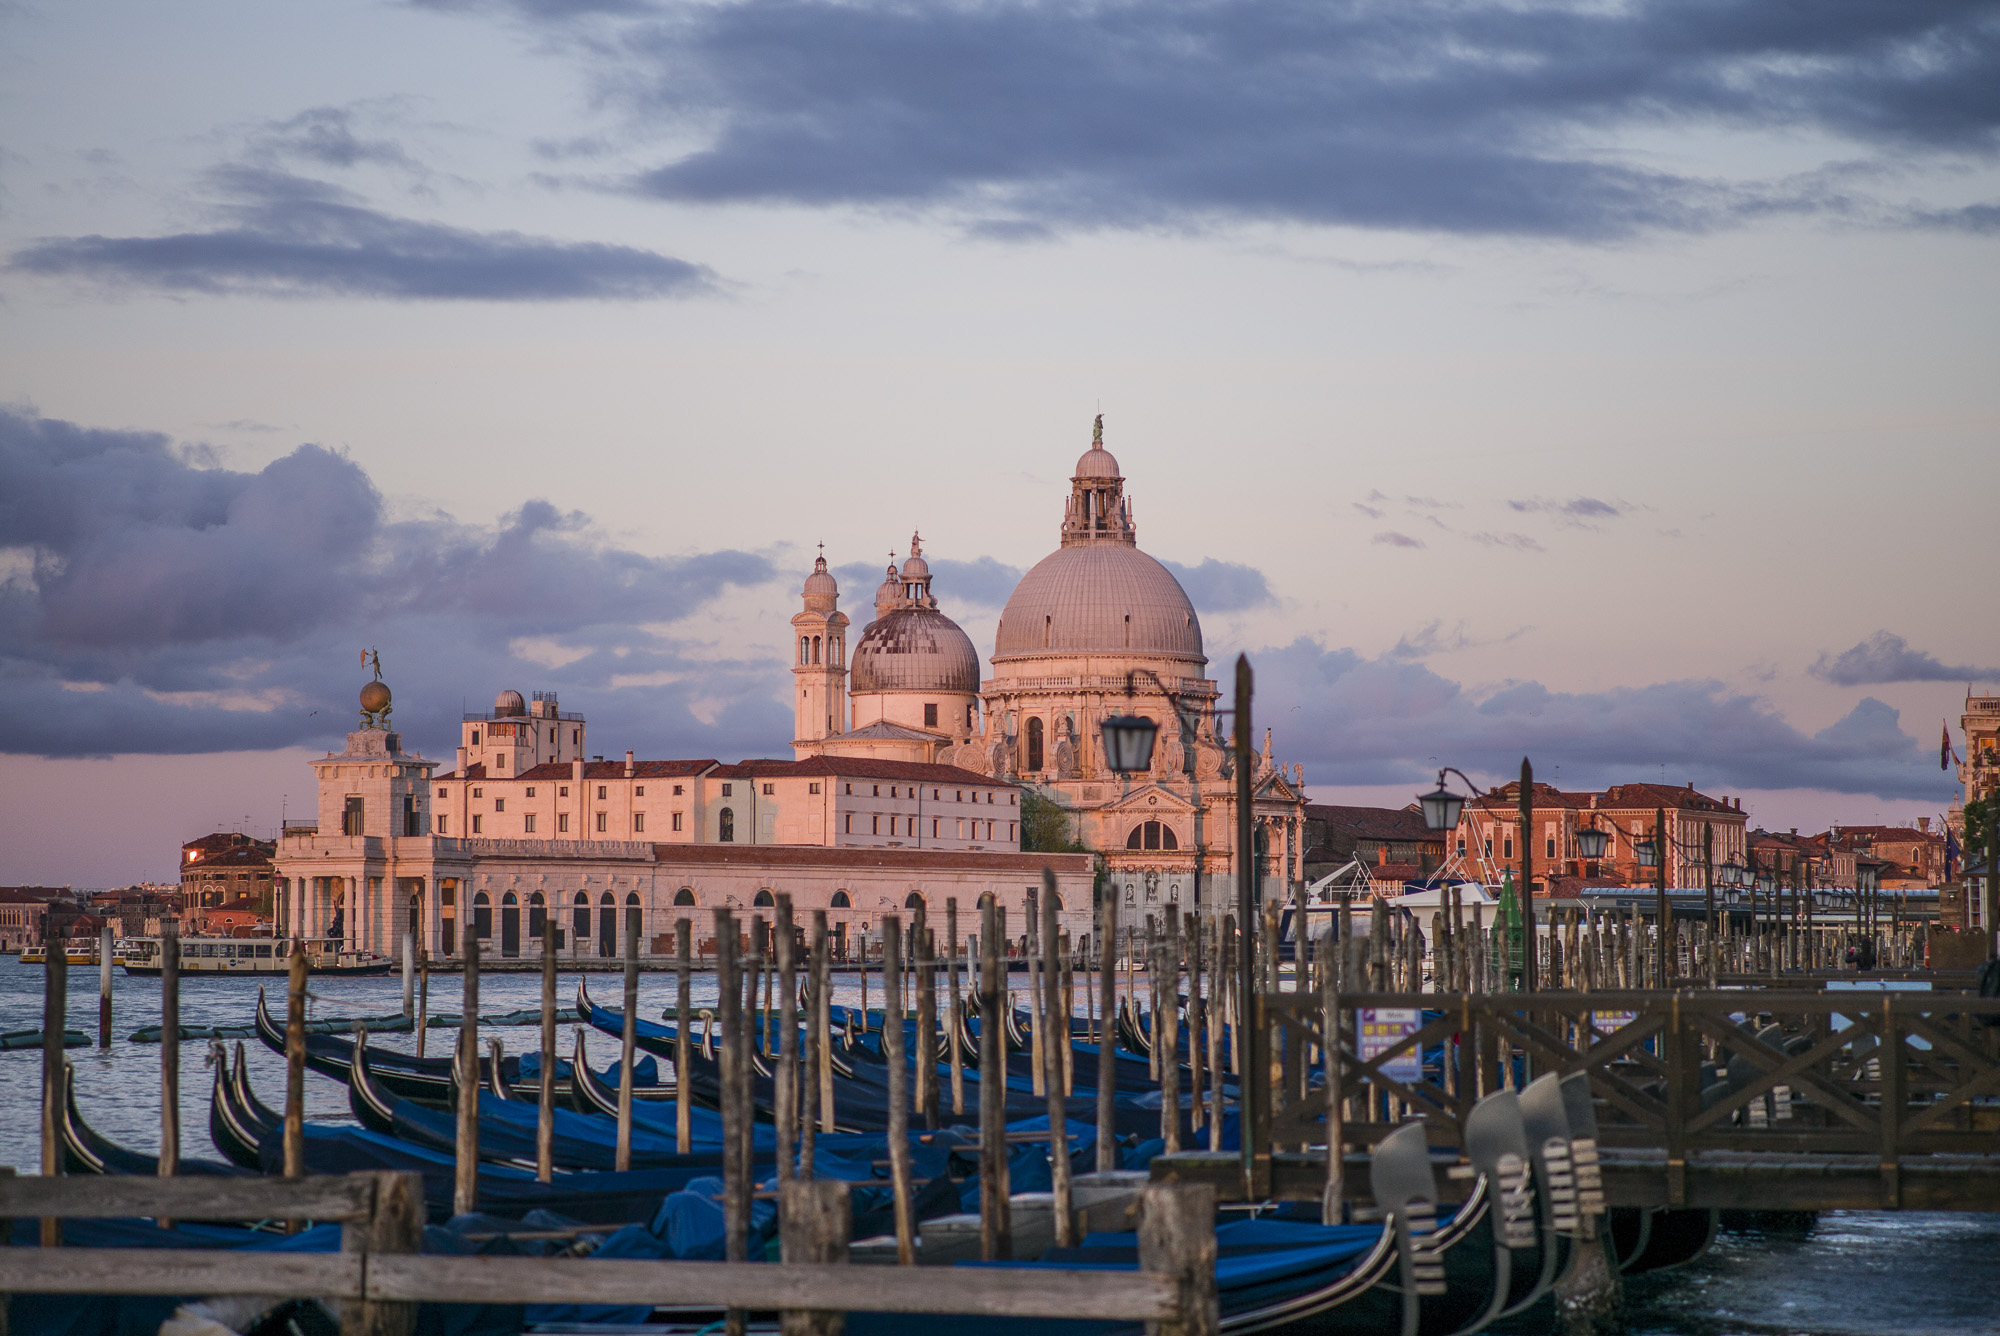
87,1152
1674,1238
426,1079
237,1122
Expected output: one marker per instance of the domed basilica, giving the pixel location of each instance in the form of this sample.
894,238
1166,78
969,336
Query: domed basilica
1097,628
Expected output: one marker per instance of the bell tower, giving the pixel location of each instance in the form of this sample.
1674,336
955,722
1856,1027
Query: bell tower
819,662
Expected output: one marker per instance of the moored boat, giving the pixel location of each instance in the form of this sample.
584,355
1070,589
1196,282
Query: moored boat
250,955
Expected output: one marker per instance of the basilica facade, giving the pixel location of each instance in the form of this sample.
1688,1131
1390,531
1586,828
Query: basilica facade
1097,628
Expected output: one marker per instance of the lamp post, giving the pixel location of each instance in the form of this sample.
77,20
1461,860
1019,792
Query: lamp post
1653,854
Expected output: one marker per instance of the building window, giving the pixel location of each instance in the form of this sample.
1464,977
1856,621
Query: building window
1552,847
1489,846
934,827
728,790
875,826
770,790
850,823
677,820
562,823
763,899
911,829
812,788
850,790
499,804
576,737
1152,835
1461,848
1507,847
603,821
684,897
501,760
1010,832
562,791
1034,744
878,791
350,817
895,792
678,790
478,824
444,823
638,822
638,790
930,715
528,824
475,737
840,900
602,792
725,825
440,793
579,921
479,793
531,791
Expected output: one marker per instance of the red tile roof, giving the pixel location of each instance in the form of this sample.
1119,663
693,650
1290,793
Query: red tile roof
1376,823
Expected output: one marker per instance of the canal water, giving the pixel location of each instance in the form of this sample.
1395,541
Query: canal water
1853,1274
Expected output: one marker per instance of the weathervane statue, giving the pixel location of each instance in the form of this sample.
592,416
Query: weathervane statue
375,697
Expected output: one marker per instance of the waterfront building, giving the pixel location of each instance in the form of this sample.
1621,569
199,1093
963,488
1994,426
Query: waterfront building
1489,828
223,867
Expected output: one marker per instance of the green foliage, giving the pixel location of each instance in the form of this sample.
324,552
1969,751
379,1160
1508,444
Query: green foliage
1047,827
1979,820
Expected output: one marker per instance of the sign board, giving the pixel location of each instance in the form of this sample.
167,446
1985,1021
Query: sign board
1608,1022
1381,1029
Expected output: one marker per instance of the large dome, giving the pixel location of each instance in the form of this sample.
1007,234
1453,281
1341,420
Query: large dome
915,649
1098,598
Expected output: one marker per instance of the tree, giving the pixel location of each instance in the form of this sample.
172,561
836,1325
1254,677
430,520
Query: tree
1047,826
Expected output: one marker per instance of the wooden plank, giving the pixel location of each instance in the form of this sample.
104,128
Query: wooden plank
994,1291
322,1198
171,1271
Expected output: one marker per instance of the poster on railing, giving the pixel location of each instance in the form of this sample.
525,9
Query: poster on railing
1608,1022
1382,1028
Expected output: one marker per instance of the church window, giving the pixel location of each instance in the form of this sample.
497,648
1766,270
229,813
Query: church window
562,822
677,820
913,901
1034,744
580,917
528,824
1152,835
638,823
805,644
603,821
816,649
1552,847
1048,624
725,826
840,900
684,896
930,714
350,817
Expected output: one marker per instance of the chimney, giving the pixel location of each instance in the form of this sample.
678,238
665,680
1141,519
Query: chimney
1923,825
628,765
461,764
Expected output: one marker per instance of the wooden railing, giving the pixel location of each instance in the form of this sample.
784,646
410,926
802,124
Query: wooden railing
379,1276
1887,1074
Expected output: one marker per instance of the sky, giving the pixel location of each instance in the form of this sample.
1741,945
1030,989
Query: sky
1607,384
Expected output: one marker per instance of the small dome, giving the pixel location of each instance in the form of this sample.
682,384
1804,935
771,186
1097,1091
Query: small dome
915,649
509,703
1097,462
889,593
821,580
375,697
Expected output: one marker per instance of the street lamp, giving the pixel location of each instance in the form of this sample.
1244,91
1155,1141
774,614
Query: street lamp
1648,852
1442,807
1592,842
1733,874
1128,743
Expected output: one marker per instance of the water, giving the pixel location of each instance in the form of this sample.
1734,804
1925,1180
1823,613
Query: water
1856,1274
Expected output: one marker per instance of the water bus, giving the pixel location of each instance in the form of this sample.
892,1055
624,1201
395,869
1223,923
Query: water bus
250,955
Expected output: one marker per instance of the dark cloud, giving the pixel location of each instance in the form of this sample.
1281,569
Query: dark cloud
1479,119
1884,658
1390,538
1222,586
288,236
151,605
1581,510
1518,542
327,136
983,582
1382,721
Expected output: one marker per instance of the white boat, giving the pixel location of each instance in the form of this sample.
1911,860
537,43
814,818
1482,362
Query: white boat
251,955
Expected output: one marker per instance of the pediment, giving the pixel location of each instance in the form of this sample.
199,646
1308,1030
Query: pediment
1153,798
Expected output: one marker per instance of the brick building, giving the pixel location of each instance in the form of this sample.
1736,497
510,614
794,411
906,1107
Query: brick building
1490,827
222,867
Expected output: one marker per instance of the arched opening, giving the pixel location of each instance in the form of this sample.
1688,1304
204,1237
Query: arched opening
840,900
683,897
764,899
538,916
1152,835
1034,744
635,919
579,919
607,925
805,646
913,901
510,925
816,649
482,917
725,826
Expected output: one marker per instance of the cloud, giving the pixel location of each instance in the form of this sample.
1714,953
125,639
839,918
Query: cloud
1432,638
1885,658
1580,511
151,605
1222,586
1518,542
1386,720
1369,511
1505,120
1390,538
289,236
327,136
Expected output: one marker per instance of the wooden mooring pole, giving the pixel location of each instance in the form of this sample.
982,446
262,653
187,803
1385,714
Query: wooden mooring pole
813,1222
465,1179
170,1050
295,1062
55,1029
1107,1056
899,1092
996,1242
104,987
628,1045
683,1041
787,1070
1055,1015
545,1103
